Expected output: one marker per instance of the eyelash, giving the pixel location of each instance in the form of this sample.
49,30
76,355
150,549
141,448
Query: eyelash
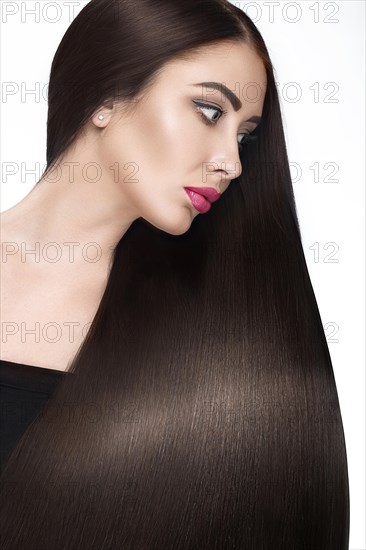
247,136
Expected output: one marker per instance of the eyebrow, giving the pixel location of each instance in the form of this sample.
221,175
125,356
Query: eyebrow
234,100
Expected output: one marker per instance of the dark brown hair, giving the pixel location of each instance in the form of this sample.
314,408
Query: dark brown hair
201,411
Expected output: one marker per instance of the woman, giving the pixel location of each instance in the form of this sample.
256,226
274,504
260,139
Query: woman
200,409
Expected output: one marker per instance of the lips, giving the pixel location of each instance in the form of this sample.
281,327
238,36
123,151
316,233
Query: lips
201,197
209,193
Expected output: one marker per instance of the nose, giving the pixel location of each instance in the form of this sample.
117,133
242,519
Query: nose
230,170
225,164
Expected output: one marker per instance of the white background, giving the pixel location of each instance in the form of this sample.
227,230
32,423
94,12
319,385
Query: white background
317,49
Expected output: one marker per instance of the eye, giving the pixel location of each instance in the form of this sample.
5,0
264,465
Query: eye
218,113
248,138
206,107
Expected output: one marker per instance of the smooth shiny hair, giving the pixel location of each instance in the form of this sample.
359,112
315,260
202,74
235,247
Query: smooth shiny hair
201,411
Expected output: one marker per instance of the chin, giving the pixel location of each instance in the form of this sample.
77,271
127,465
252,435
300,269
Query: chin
175,225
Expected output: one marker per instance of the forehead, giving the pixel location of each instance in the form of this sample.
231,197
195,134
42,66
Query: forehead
234,64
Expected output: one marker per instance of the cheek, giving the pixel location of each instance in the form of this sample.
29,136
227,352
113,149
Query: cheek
160,141
168,136
154,156
152,173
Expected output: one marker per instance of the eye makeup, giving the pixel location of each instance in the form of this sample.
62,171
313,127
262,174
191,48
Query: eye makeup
209,107
221,112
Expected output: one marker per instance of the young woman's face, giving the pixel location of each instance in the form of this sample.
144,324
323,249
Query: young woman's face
177,135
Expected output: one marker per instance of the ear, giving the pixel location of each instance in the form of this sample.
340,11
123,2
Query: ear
103,114
102,117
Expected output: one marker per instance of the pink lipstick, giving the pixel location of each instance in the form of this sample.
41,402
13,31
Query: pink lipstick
202,197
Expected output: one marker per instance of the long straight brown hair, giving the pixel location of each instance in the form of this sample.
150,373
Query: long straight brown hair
201,411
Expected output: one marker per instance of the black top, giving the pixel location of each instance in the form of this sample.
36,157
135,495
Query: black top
24,391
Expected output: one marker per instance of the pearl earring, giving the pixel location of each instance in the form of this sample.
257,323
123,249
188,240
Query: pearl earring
101,117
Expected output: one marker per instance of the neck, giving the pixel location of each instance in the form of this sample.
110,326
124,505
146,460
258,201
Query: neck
90,218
